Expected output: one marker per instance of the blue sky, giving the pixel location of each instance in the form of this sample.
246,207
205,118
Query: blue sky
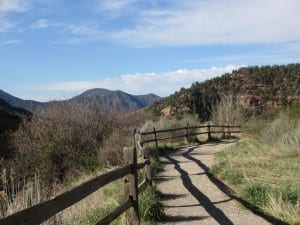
55,49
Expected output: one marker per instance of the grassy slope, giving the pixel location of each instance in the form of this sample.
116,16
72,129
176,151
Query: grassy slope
264,168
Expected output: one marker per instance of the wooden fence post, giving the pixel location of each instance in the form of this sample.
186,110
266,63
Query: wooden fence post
208,132
148,167
187,133
131,186
155,135
138,145
228,134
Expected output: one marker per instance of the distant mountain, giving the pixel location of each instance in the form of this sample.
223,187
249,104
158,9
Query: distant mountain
101,99
257,88
20,103
116,101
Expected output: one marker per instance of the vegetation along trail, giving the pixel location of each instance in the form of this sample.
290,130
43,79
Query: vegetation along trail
191,196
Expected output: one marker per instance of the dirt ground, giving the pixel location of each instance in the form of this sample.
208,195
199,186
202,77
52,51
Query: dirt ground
191,196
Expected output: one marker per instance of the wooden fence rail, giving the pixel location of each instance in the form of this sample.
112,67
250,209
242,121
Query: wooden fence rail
135,158
189,131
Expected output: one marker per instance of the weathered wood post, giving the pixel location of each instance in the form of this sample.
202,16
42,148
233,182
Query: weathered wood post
224,132
131,186
155,136
138,145
228,132
148,167
187,133
208,132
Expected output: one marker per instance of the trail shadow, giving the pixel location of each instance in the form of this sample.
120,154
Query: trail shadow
194,205
158,179
166,162
183,218
229,192
170,196
215,212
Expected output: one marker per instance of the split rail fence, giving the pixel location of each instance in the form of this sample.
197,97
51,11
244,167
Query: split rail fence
135,158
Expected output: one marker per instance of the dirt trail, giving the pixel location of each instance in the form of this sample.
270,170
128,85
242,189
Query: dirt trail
190,197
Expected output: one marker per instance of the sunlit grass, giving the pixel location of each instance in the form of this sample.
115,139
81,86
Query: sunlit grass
265,169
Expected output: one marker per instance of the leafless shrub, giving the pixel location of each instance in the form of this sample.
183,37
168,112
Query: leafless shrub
111,150
228,112
58,141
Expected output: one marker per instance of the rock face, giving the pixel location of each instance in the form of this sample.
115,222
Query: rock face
168,111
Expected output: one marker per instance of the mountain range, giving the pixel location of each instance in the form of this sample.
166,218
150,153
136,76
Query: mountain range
102,99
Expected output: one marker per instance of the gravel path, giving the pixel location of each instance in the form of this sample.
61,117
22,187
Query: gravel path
189,196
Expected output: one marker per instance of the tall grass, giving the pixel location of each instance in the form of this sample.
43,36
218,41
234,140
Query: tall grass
265,168
16,196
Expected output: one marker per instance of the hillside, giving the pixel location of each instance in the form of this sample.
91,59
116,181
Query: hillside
10,118
116,101
20,103
101,99
256,88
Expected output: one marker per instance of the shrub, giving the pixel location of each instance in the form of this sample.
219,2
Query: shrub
58,141
227,111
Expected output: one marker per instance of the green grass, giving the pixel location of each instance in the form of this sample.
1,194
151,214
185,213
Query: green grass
150,207
264,168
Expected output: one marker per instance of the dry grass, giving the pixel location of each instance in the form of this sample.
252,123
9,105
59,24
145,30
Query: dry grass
88,211
266,170
94,207
228,112
18,196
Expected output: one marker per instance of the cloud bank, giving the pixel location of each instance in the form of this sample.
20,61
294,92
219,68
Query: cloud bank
215,22
162,84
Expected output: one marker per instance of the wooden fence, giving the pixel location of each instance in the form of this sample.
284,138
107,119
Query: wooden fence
189,131
135,158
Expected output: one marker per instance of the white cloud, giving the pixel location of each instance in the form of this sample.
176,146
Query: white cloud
187,23
41,24
6,25
11,42
113,6
215,22
162,84
7,6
